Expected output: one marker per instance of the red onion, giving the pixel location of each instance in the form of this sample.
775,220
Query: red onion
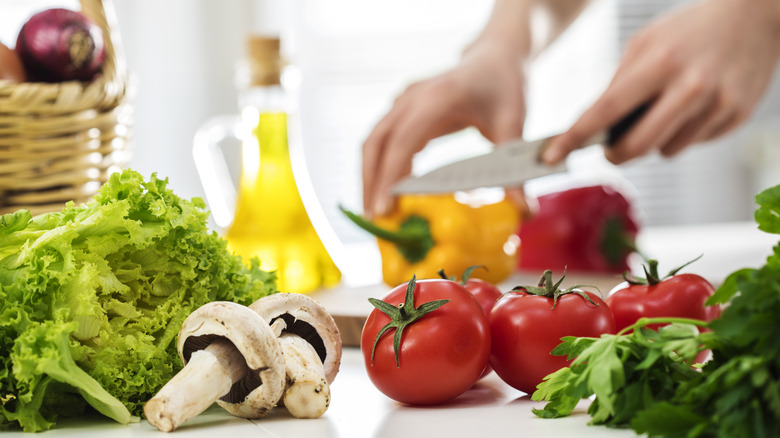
59,44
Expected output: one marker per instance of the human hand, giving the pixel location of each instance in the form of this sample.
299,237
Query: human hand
702,69
485,90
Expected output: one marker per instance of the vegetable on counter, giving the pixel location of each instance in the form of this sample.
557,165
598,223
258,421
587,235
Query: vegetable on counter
223,345
426,342
426,233
643,379
283,349
583,229
486,294
311,346
58,44
528,322
625,371
676,295
92,297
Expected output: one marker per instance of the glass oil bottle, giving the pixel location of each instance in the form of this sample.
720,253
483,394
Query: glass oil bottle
271,221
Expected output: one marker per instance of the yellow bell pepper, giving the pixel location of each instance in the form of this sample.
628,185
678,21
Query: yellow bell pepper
427,233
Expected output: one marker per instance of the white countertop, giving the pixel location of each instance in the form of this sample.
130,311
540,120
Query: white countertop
359,410
491,407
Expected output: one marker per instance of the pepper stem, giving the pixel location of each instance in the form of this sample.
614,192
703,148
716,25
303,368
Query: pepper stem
616,242
413,238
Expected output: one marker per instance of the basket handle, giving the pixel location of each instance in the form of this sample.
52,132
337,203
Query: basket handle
102,12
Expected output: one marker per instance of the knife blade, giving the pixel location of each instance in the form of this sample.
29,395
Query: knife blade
508,165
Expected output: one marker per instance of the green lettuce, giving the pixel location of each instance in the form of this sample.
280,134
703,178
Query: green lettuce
92,297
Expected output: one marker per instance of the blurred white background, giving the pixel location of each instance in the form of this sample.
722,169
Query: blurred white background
354,56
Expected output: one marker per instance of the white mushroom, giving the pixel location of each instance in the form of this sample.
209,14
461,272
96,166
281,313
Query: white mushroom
311,345
232,357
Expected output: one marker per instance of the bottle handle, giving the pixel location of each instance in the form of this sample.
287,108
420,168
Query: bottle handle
212,168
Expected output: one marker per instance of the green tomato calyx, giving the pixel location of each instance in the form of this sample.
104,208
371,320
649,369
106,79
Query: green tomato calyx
465,277
651,273
401,316
549,289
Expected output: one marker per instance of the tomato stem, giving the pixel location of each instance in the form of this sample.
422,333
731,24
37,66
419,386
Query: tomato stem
464,277
651,273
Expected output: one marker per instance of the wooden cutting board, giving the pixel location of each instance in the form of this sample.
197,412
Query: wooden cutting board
350,307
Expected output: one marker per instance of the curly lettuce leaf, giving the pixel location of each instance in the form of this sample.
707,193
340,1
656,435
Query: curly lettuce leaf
42,354
92,297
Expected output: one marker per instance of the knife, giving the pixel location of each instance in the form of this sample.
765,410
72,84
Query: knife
509,165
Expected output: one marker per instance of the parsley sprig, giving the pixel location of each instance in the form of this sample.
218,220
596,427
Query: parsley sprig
647,380
623,370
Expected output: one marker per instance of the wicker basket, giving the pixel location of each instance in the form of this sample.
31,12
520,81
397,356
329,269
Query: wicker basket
59,142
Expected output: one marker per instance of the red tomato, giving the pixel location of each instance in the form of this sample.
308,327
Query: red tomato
525,328
440,355
486,294
681,295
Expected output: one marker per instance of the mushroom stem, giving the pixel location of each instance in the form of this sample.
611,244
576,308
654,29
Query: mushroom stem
307,394
278,326
208,375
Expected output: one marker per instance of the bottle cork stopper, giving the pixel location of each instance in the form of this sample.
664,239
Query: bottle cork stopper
265,60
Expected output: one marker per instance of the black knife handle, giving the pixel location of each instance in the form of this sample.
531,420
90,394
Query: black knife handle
625,124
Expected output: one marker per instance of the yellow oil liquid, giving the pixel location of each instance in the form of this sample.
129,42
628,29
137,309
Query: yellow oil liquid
271,221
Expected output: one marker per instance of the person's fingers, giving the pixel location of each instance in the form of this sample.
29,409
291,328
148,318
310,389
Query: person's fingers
516,195
734,112
728,125
696,129
682,101
630,88
723,115
508,124
395,165
375,147
373,151
684,137
408,136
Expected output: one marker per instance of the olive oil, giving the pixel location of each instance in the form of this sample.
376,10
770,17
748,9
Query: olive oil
271,221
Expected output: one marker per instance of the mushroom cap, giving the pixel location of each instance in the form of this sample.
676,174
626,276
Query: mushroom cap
308,319
263,386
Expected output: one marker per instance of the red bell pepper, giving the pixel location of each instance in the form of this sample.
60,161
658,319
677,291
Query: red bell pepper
586,229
